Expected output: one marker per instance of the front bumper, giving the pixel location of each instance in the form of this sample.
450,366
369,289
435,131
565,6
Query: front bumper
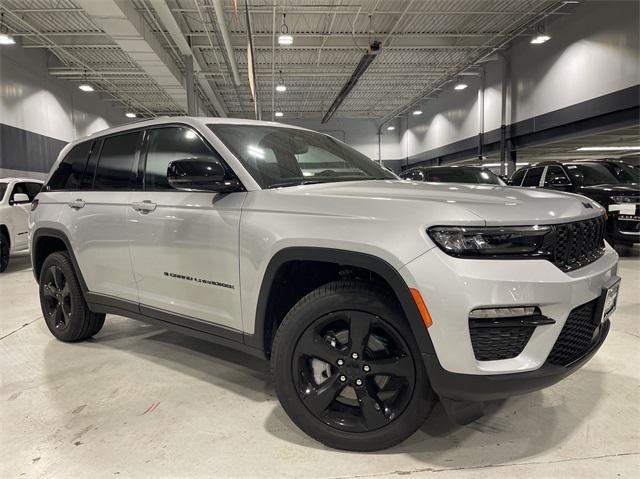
453,287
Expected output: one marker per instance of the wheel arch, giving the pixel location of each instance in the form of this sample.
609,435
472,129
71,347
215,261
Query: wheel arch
5,230
49,240
264,325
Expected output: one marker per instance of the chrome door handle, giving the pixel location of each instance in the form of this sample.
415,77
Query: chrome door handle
77,204
145,206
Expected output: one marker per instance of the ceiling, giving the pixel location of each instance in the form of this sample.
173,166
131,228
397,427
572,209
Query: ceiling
129,52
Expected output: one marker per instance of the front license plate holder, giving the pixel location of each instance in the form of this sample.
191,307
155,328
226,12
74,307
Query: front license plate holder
608,299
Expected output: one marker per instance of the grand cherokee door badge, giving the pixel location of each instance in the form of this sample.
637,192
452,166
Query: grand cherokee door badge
199,280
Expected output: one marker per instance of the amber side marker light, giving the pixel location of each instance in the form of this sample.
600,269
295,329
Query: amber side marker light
606,216
424,312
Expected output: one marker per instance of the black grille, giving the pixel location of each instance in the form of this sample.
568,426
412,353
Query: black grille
499,342
576,336
578,244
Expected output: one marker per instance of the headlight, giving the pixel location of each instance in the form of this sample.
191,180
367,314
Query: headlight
625,199
490,241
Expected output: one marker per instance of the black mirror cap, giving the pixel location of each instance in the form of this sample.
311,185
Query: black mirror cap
201,174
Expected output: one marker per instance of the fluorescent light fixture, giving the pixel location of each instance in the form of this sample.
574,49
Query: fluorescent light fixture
279,114
460,86
417,112
609,148
391,128
538,39
285,39
130,115
281,88
86,87
6,39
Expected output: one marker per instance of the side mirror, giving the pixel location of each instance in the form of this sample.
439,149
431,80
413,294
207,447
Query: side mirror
20,198
201,174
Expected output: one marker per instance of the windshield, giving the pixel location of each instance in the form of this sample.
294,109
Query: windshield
624,172
462,175
3,189
276,156
589,174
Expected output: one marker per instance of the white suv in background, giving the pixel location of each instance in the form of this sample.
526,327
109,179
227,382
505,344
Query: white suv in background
16,195
371,296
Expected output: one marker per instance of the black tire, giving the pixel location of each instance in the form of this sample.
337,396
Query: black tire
63,306
4,252
381,410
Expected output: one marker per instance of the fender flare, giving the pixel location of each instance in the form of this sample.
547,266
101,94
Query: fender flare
346,258
55,233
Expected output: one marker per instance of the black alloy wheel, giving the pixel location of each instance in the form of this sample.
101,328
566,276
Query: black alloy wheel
347,368
65,311
353,371
4,252
57,297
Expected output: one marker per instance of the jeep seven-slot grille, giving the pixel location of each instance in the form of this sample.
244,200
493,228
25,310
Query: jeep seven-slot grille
576,336
578,244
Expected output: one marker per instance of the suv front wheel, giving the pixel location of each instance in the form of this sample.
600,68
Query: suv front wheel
65,311
347,368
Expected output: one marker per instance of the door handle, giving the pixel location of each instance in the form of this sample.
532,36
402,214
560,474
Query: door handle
76,204
145,206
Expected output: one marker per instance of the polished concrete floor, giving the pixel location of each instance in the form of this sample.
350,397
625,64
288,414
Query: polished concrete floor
137,401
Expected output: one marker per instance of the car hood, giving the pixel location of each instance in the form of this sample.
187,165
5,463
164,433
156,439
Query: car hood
444,203
618,188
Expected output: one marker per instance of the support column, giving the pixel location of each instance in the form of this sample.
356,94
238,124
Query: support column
191,94
513,156
504,168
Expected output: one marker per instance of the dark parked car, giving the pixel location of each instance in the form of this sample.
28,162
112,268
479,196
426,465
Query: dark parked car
452,174
613,184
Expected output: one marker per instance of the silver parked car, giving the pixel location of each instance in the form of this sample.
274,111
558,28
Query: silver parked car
371,296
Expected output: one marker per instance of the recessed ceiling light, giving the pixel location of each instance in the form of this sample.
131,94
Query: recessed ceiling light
6,39
281,88
285,39
130,115
86,87
279,114
417,112
538,39
391,128
609,148
460,86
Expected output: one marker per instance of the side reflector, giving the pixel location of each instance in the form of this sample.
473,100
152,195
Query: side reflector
424,312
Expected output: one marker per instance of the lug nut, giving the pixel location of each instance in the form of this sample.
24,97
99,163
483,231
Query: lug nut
366,368
354,355
359,382
340,362
343,378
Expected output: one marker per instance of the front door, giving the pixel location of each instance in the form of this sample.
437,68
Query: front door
184,245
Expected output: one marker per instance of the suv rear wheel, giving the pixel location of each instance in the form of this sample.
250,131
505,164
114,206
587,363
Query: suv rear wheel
347,368
4,252
65,311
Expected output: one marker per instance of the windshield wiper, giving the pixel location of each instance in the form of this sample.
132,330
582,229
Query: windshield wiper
295,183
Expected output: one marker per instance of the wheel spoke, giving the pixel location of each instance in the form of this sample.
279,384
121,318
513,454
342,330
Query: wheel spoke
359,328
48,291
57,316
319,398
65,311
312,344
58,278
372,410
399,366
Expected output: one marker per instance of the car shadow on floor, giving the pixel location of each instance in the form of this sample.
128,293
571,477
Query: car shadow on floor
18,262
628,252
512,429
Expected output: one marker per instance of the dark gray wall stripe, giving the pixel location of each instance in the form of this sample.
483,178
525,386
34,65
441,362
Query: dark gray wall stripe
28,151
614,110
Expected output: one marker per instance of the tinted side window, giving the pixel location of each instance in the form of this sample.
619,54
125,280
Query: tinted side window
70,170
516,179
556,176
90,170
533,176
117,158
167,145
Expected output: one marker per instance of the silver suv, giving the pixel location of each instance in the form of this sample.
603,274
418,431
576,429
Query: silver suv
371,296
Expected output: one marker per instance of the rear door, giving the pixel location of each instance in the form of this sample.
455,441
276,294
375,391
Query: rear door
18,216
96,215
184,244
533,177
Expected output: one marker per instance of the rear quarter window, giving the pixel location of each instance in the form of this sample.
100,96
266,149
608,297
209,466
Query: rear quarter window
69,173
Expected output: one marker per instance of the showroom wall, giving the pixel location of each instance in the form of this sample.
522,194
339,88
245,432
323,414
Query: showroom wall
593,52
40,114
